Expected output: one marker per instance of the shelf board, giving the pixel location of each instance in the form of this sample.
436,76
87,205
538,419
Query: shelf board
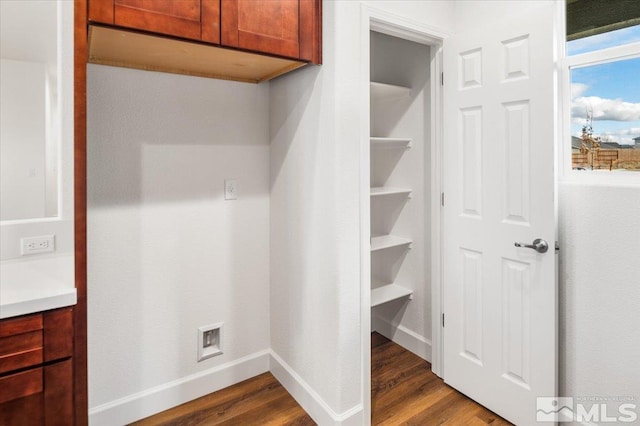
386,190
384,143
387,293
387,241
388,92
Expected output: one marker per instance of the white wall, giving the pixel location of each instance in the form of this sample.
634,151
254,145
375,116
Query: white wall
166,252
315,127
23,137
599,236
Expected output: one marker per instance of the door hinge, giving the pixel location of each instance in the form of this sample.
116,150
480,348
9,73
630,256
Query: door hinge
442,199
443,320
442,79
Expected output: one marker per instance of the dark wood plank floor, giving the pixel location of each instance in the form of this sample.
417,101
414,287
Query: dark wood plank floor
404,391
260,400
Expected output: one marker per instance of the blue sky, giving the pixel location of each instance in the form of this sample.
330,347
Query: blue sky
611,92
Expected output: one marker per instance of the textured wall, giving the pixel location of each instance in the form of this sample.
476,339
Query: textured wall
315,126
166,253
599,232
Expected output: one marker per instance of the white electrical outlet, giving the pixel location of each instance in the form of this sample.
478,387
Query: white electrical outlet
209,341
230,189
34,245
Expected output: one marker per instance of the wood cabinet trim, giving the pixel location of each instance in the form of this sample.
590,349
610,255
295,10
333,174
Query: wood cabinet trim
229,23
58,334
101,11
311,31
81,402
210,21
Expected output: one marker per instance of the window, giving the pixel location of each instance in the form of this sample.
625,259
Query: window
603,65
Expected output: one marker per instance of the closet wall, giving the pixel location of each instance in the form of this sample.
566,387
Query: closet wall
400,166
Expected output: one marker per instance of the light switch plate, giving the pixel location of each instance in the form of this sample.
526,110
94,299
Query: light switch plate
230,189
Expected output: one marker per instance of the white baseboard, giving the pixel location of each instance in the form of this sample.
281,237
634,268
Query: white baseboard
309,400
151,401
401,335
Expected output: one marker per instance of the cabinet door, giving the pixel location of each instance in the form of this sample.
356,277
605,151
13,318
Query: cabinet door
58,394
191,19
22,398
269,26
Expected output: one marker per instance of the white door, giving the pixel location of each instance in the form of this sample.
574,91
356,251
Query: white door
500,300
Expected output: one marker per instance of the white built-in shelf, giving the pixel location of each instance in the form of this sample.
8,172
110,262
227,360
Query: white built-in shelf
381,143
387,293
387,241
388,92
386,190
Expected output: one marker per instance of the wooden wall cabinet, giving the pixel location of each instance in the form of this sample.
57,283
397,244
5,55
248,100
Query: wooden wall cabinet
36,369
244,40
282,27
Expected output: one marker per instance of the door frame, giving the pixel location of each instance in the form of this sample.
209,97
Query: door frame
401,27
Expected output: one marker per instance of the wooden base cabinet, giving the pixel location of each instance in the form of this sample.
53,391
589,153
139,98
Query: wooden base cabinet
36,369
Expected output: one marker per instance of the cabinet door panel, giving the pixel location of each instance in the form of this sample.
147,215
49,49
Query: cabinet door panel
269,26
21,384
177,18
192,19
25,411
58,393
58,334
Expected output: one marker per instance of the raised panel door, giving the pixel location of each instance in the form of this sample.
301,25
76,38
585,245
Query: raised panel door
269,26
190,19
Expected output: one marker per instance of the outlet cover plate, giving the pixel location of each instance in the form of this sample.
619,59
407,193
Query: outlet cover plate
39,244
212,348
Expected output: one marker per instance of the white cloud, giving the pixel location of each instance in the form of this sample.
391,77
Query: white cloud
604,109
578,89
622,136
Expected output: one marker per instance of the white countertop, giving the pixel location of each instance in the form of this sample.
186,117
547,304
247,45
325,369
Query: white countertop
34,283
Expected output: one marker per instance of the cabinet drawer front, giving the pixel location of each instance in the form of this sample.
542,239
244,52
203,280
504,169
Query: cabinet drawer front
12,326
13,345
21,351
21,384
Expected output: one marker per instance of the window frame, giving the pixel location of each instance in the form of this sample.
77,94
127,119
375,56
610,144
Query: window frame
566,63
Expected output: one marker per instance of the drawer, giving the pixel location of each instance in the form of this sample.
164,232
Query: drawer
13,326
21,351
20,385
33,339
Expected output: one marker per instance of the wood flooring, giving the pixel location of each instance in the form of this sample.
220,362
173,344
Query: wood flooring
404,391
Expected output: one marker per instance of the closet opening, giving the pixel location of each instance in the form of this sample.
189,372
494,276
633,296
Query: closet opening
403,161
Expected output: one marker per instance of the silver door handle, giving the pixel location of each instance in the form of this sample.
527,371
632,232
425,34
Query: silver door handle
538,245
